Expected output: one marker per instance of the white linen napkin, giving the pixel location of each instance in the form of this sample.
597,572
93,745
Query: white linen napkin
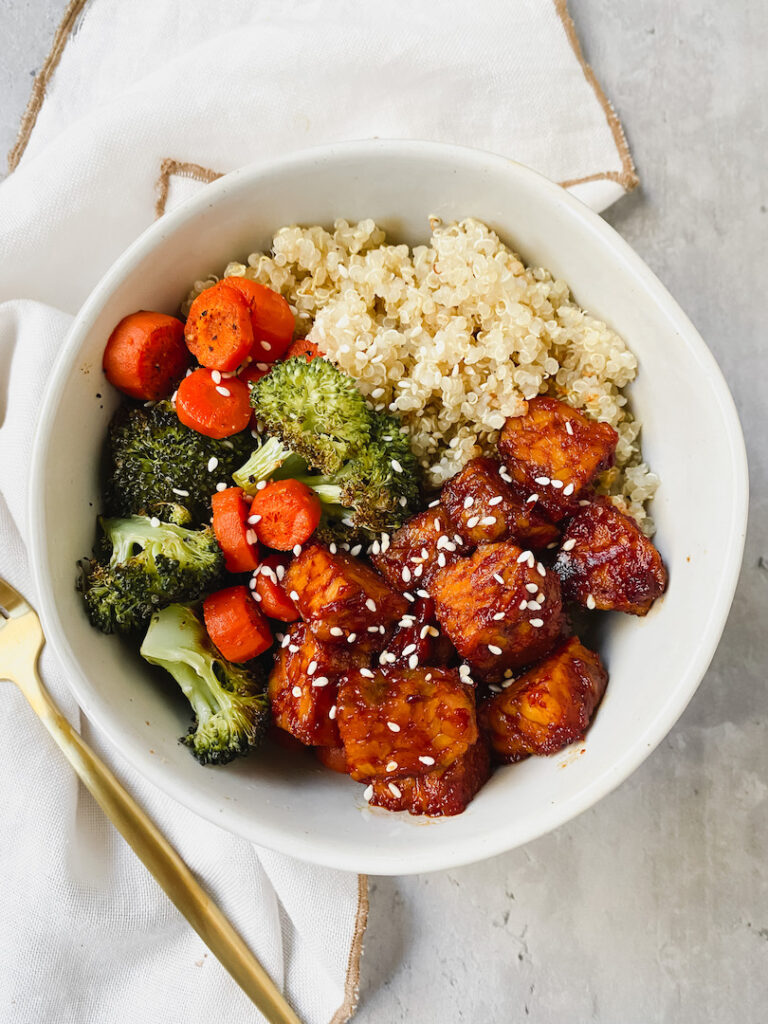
138,105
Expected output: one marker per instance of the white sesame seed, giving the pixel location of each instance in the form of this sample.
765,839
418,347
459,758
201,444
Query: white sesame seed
557,484
413,661
215,376
293,648
498,616
261,485
371,604
496,501
458,539
366,672
393,726
540,598
332,712
472,522
294,595
256,597
311,668
568,427
506,683
396,466
568,489
320,681
409,650
154,522
591,603
523,556
552,545
403,501
494,649
537,623
356,550
252,520
531,499
531,587
375,548
441,560
373,629
437,525
408,596
583,503
382,630
488,521
297,549
331,547
523,605
250,536
384,542
505,475
535,606
296,691
540,569
569,545
394,790
406,574
280,572
494,688
499,578
433,631
351,638
426,759
336,631
252,583
377,392
422,593
180,491
221,486
417,572
469,502
434,504
285,640
368,794
543,480
224,392
391,766
266,346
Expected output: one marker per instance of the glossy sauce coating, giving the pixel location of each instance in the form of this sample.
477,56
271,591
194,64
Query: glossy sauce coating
441,793
501,608
341,597
555,452
390,719
548,707
607,563
484,508
302,700
422,546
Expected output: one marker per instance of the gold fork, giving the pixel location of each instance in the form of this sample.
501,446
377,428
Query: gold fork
21,640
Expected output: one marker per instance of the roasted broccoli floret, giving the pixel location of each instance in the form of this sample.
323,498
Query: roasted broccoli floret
154,461
315,410
142,564
270,461
229,701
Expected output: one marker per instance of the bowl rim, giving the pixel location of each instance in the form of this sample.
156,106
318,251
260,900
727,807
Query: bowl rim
505,836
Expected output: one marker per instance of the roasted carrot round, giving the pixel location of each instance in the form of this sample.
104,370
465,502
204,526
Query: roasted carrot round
146,356
288,512
334,758
218,331
236,538
271,318
253,372
272,596
303,347
236,625
211,406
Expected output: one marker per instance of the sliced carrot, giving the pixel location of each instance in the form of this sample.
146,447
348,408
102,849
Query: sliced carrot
334,758
211,406
236,538
253,372
272,596
288,512
218,331
236,625
303,347
146,356
271,318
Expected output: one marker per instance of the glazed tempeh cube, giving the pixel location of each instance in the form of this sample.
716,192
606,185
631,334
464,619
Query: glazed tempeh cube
426,543
397,721
606,562
484,508
548,707
501,608
303,686
342,599
554,453
440,793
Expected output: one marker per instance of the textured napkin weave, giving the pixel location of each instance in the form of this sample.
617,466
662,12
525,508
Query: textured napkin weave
138,105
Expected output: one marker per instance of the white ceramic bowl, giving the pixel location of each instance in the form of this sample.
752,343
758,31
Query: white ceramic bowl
691,437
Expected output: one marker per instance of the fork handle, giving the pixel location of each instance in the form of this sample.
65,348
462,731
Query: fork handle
159,857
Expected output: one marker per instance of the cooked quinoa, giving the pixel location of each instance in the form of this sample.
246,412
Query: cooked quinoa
454,337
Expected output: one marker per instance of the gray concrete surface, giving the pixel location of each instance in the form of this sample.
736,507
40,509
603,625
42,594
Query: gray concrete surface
653,906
